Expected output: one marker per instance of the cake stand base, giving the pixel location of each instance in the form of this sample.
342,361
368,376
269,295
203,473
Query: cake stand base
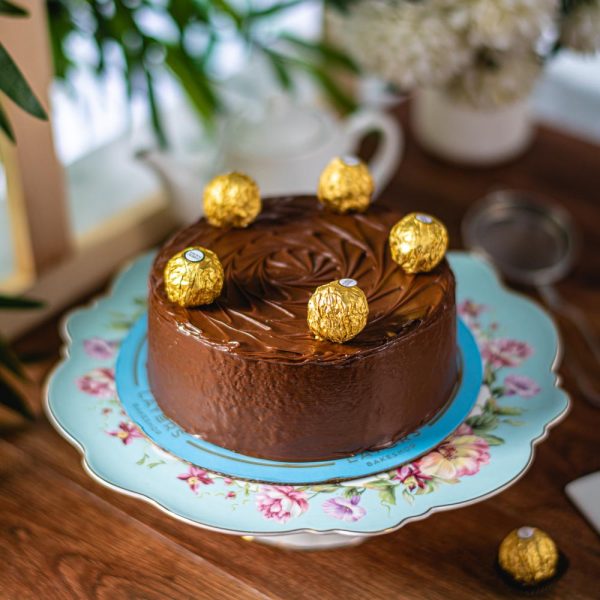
309,541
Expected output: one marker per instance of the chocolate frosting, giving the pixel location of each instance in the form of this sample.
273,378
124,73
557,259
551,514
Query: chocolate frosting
246,374
273,267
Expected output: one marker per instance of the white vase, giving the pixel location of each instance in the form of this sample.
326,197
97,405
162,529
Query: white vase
460,133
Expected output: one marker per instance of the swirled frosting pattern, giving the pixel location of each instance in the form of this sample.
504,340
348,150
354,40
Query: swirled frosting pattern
272,268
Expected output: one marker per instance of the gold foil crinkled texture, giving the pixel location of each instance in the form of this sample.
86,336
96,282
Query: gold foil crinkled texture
232,200
194,277
418,242
345,185
337,312
528,555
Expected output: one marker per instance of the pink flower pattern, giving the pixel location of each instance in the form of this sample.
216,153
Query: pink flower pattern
100,348
460,455
503,352
344,509
195,477
99,382
469,309
127,432
281,502
520,385
412,477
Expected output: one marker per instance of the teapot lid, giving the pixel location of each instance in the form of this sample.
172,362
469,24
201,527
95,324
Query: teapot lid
279,128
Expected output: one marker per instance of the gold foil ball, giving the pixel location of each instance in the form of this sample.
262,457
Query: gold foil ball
528,555
232,200
345,185
418,242
194,277
337,311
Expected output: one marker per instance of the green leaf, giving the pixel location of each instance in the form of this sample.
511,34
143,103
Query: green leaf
195,84
341,5
226,8
12,10
6,126
12,399
350,492
326,489
408,497
513,422
492,440
335,94
509,411
272,10
388,495
376,484
9,360
483,422
328,53
18,303
13,84
154,111
280,68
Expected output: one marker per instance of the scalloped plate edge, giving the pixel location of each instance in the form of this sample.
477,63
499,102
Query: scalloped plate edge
96,302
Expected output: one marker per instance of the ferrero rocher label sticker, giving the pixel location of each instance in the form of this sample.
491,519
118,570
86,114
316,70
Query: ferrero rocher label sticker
337,311
418,242
193,277
194,255
232,200
529,556
346,185
348,282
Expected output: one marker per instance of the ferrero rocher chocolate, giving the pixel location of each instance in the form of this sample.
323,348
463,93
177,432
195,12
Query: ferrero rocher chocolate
193,277
337,311
231,200
345,185
418,242
529,556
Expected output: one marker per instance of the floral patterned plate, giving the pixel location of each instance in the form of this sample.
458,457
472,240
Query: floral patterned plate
518,401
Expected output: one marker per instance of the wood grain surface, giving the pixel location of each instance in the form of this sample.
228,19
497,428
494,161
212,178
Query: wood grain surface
62,535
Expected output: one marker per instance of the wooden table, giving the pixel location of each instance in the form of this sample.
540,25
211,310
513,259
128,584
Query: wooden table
63,535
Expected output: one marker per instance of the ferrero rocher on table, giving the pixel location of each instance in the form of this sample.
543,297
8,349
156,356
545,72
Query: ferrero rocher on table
337,311
345,185
418,242
528,556
231,200
193,277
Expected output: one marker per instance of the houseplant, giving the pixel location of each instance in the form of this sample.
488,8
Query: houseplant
189,36
14,85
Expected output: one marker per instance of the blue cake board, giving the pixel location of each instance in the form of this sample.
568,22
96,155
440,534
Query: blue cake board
138,401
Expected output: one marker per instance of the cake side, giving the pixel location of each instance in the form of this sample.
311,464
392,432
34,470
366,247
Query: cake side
246,374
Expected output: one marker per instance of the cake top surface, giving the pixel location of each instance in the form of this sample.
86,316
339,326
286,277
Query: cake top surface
272,268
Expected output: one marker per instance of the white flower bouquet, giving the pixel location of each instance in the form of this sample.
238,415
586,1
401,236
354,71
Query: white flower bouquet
487,53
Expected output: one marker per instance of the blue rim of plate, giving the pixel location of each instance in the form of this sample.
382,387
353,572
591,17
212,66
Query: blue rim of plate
139,403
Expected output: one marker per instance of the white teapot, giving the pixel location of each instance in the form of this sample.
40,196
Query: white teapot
284,146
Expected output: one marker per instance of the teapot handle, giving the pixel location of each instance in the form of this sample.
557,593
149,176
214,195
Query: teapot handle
384,163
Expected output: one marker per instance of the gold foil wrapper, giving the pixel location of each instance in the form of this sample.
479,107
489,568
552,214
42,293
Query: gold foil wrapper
529,556
418,242
194,277
232,200
346,185
337,311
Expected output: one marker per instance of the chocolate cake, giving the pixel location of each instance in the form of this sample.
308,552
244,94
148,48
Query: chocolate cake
246,373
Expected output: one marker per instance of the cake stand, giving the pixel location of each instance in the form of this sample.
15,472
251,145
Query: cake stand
506,402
